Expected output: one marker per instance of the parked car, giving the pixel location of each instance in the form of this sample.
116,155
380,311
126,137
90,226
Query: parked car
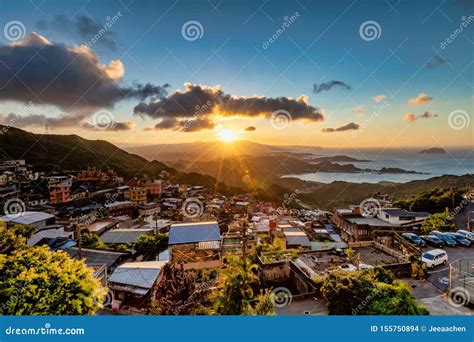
461,240
414,239
447,239
434,258
432,240
467,234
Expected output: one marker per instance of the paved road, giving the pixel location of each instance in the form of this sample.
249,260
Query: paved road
439,276
461,219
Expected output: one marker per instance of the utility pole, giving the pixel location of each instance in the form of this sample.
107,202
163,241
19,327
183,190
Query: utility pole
78,238
244,239
452,194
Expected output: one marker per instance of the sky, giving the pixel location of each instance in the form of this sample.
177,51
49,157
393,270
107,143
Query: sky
315,73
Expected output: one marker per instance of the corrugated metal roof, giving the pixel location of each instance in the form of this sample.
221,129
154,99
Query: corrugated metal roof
123,235
194,232
299,240
94,256
28,217
140,274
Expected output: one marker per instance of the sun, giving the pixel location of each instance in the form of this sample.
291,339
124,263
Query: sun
227,135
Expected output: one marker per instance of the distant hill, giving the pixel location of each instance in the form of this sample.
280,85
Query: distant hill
70,153
434,150
211,150
50,152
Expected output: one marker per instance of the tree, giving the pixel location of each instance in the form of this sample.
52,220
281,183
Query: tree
353,256
237,284
265,304
151,242
177,293
35,281
369,292
91,240
432,201
13,238
437,221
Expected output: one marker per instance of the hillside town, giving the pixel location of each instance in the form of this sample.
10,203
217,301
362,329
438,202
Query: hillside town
128,230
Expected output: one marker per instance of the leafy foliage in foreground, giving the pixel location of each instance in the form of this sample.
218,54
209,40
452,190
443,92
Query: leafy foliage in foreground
438,221
238,282
35,281
369,292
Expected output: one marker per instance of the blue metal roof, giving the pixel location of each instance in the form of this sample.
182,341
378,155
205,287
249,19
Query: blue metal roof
194,232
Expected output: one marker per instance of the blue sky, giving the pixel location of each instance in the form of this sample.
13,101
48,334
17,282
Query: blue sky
321,45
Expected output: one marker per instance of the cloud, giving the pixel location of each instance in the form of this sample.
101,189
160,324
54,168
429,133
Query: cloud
379,98
422,98
198,107
435,61
348,127
250,129
113,127
410,117
83,28
38,72
40,120
329,85
359,110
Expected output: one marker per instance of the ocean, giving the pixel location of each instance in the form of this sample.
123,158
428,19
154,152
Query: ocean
456,161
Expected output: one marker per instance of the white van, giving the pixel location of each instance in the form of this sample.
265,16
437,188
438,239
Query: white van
434,258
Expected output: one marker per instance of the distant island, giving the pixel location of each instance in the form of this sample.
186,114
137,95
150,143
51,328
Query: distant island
350,168
434,150
340,159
